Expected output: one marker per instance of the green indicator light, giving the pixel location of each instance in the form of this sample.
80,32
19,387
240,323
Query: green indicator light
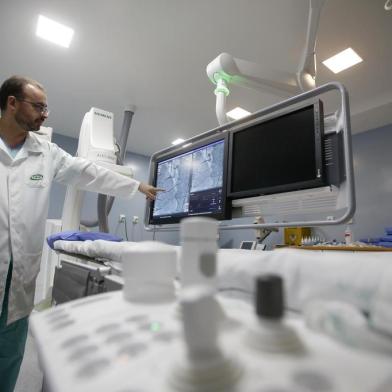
222,75
222,89
155,326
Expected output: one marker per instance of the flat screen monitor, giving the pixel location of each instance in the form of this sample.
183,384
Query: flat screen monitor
280,154
194,180
249,245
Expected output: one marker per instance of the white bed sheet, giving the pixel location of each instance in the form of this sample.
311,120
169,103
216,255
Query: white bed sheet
362,279
115,251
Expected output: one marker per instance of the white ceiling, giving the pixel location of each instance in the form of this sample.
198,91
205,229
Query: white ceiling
153,54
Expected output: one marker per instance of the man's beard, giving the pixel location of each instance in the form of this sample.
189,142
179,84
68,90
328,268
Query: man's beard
27,126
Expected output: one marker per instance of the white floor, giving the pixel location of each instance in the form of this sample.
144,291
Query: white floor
30,376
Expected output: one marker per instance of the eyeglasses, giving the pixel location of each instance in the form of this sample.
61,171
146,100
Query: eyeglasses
39,107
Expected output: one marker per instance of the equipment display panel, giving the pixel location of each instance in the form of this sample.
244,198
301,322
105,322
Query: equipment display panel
249,245
194,180
281,154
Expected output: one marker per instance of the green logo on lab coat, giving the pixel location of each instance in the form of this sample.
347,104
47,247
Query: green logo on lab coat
36,177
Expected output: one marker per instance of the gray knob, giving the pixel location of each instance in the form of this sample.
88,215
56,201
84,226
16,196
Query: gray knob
269,296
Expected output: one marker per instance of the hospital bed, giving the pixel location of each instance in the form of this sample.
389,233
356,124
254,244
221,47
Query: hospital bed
360,278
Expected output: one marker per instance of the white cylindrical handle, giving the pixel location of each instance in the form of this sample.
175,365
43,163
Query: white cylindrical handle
201,317
198,251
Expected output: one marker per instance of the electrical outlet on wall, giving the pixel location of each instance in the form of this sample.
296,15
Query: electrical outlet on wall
135,219
121,218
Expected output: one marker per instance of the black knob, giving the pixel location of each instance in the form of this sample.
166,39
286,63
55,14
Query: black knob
269,296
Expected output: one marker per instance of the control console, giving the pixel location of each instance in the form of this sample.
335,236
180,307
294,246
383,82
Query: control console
156,336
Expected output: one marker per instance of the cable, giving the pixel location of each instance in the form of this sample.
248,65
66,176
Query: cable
126,229
133,233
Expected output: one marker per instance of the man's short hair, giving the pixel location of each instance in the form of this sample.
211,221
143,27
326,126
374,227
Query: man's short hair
15,86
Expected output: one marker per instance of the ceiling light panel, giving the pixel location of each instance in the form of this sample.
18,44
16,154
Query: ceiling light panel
53,31
343,60
237,113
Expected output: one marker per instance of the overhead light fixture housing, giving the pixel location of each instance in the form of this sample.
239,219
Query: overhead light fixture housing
177,141
53,31
343,60
237,113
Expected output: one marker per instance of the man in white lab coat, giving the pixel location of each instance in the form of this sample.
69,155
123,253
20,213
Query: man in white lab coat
28,166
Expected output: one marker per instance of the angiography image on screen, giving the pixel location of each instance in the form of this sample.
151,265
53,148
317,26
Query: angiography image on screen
174,177
192,181
207,167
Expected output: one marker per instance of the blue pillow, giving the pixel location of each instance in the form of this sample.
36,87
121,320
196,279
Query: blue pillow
81,236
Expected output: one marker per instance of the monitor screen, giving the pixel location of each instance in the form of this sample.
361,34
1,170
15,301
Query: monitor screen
194,180
251,245
278,155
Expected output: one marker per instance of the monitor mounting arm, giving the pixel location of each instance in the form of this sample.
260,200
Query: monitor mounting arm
226,69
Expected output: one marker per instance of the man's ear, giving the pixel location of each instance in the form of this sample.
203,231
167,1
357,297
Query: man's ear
11,102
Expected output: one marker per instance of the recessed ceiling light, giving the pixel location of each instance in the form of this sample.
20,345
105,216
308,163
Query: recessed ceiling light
177,141
237,113
343,60
53,31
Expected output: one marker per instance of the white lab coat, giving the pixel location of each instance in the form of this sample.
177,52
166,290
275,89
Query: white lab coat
25,184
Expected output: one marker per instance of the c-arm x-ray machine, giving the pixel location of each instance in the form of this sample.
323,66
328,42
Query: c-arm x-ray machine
96,143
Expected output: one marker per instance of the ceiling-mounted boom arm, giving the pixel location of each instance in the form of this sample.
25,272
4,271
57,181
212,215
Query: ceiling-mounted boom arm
306,75
226,69
245,73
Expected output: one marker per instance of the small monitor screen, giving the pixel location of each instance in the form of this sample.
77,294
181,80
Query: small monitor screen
248,245
194,183
278,155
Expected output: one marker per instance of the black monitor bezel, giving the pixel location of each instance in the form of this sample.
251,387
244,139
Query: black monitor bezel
319,154
173,219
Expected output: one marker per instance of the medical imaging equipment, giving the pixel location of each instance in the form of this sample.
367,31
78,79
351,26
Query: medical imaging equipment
194,179
289,163
250,245
96,143
281,154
